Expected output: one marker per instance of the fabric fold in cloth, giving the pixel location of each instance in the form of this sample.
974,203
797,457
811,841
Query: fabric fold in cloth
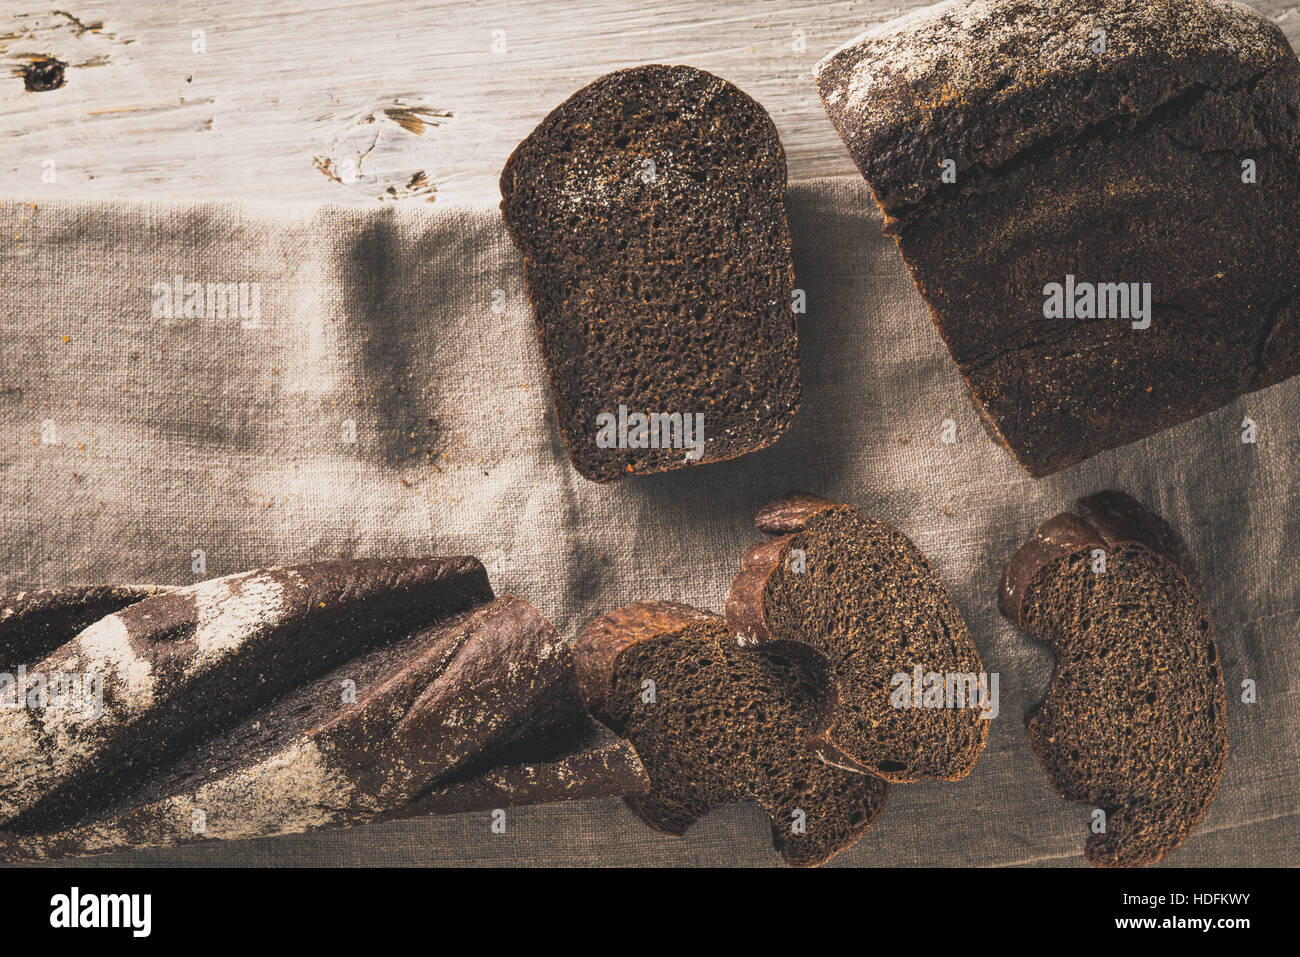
190,391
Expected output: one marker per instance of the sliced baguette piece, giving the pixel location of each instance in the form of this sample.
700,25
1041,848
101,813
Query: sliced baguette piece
464,701
649,209
714,723
198,659
863,596
566,761
1135,720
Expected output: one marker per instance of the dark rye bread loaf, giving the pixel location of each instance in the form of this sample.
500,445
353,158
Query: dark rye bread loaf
864,597
726,724
1135,721
649,208
1123,166
446,699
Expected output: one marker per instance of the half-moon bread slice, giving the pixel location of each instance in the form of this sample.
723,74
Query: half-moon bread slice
1135,720
913,700
715,723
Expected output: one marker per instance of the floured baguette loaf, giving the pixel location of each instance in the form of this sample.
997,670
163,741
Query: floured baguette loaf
649,208
1135,721
198,659
1099,201
715,724
348,691
913,700
35,623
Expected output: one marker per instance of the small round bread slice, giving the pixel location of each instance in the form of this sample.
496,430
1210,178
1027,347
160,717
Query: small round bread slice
911,687
1135,720
715,724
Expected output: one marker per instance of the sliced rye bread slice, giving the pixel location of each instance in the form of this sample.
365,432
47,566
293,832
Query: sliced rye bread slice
649,209
1111,166
726,724
465,707
1135,720
865,598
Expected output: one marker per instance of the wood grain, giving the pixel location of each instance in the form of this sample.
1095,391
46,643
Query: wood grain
371,101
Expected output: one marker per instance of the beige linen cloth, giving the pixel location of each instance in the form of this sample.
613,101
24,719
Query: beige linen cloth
132,442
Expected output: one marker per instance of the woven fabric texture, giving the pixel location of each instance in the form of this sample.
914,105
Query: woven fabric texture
132,442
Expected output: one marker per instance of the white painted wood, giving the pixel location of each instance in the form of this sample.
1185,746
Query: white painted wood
370,101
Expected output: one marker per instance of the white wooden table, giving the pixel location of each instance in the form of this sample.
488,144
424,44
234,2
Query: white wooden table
367,101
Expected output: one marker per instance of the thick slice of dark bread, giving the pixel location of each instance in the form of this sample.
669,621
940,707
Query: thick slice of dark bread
721,724
862,595
1122,166
1135,721
649,208
475,712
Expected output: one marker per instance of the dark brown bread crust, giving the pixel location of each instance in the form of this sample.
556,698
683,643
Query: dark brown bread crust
1055,144
1104,520
603,639
1058,537
841,803
455,708
1118,517
789,513
34,623
752,607
1135,721
566,764
989,81
780,517
667,295
746,615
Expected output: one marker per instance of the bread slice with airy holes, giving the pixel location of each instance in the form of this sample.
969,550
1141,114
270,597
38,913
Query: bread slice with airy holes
649,209
863,596
715,723
1135,720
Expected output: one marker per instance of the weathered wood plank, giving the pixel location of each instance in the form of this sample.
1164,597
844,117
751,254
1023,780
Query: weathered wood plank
377,100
